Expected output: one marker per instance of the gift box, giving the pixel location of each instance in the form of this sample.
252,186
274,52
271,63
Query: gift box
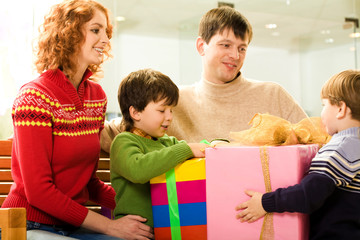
232,170
179,202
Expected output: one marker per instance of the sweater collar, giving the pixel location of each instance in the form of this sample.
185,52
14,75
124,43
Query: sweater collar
142,133
77,96
354,131
221,90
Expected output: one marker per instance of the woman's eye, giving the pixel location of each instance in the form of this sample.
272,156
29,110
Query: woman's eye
95,31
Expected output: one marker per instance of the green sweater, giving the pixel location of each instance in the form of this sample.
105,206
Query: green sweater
134,160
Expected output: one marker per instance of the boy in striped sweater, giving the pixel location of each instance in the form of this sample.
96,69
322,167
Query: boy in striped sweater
330,193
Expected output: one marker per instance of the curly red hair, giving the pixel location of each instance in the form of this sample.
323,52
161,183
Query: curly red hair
61,36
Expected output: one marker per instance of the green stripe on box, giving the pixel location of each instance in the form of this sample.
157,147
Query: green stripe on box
173,205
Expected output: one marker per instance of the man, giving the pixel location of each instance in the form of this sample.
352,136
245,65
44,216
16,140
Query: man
223,101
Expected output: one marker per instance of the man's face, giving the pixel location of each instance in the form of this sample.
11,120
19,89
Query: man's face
223,56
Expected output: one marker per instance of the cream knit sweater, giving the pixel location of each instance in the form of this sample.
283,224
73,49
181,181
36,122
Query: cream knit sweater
208,111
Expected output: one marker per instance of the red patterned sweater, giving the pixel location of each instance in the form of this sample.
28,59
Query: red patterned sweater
56,149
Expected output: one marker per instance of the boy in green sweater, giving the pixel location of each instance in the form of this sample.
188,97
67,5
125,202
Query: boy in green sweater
143,151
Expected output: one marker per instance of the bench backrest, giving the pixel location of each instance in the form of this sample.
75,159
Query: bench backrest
6,180
5,169
12,220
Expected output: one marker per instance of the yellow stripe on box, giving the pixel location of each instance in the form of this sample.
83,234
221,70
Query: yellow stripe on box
190,170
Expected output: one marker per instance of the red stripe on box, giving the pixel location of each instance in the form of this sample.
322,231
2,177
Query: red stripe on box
187,192
196,232
158,194
191,191
162,233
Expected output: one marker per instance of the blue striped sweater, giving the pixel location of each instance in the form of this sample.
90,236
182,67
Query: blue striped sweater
330,193
340,160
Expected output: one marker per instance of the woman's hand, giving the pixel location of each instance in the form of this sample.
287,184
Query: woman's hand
130,227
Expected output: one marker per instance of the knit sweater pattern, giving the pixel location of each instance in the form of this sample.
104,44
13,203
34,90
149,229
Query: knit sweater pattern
56,149
208,111
134,161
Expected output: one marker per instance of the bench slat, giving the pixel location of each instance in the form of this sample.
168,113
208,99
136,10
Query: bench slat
104,175
5,175
5,147
5,187
104,164
5,162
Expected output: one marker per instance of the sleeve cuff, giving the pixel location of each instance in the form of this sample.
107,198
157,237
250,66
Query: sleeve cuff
182,152
268,202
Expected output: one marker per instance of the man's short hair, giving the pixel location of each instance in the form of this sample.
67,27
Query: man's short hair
219,19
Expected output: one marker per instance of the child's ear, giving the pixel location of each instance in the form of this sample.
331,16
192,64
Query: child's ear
134,114
343,110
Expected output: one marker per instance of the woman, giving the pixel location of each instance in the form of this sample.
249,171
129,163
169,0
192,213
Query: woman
57,122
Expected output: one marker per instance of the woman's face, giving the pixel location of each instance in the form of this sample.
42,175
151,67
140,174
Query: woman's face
95,42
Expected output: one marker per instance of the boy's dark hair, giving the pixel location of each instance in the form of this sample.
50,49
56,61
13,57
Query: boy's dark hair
222,18
344,86
140,88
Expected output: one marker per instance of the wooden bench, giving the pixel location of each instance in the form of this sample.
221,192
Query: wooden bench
13,220
103,173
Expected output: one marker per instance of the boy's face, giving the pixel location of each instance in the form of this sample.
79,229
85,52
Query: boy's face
328,116
223,56
155,119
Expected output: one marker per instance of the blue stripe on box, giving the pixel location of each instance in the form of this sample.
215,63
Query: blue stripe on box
161,216
190,214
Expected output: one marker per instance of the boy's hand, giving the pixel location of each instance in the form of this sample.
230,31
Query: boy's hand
198,149
252,210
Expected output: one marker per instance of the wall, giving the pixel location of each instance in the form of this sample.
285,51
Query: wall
317,67
136,52
274,65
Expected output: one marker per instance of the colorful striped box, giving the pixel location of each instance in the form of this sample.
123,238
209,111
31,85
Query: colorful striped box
179,202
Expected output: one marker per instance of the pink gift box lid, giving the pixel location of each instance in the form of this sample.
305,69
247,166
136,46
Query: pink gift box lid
232,170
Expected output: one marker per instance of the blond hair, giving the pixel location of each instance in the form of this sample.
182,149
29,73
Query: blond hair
344,86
